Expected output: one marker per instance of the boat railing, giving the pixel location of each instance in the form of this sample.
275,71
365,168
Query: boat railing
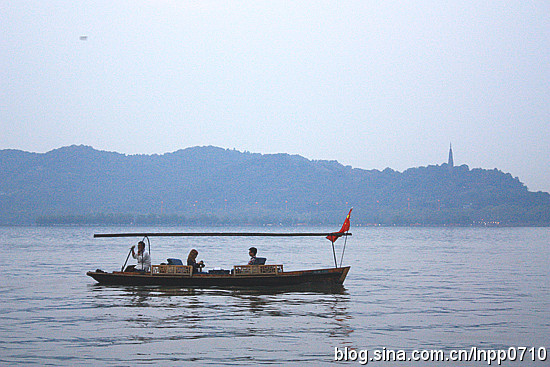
172,269
257,269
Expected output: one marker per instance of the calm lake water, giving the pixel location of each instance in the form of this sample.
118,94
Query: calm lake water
408,288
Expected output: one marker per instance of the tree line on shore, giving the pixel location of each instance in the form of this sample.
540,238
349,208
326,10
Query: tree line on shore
214,186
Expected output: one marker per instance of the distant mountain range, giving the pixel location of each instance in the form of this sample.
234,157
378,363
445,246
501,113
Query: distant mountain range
209,185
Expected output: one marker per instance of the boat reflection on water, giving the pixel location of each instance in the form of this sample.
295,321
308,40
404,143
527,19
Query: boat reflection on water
191,313
259,290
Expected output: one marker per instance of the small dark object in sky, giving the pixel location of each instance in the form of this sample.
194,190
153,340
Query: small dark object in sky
83,38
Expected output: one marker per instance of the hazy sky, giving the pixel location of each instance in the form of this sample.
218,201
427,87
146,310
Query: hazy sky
372,84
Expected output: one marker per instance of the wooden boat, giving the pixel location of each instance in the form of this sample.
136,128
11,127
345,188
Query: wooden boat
243,276
239,276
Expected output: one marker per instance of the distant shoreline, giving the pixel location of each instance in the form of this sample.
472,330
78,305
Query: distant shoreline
217,187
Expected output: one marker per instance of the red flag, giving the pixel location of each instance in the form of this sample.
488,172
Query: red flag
345,227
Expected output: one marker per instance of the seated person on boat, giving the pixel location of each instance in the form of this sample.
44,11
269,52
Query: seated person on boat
253,259
142,257
192,261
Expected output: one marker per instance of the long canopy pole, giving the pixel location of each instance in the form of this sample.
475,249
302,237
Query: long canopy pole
219,234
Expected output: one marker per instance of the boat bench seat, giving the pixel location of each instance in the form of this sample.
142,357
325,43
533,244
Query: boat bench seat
239,270
172,269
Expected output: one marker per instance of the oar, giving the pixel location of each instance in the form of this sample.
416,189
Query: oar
127,257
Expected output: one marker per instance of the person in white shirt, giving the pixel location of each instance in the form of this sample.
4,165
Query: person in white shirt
142,257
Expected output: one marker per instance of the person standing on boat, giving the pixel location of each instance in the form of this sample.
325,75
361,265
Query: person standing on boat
192,261
142,257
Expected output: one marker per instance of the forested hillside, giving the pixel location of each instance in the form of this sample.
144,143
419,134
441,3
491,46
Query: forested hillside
209,185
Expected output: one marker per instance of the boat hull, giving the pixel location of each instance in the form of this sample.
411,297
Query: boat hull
331,276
